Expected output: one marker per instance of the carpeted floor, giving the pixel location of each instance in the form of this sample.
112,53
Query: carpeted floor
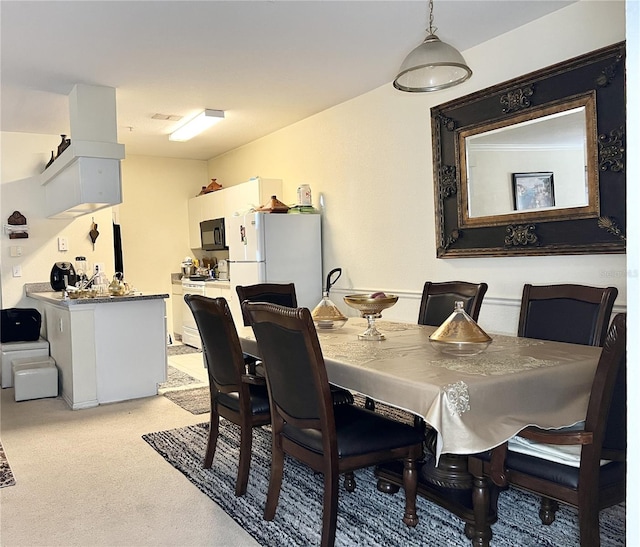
6,475
366,516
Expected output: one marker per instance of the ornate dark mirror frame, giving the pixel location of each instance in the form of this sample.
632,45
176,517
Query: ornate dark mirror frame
597,229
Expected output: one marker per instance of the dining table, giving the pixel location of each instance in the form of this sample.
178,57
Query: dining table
469,403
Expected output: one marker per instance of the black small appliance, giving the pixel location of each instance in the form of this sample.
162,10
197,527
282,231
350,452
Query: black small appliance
212,235
62,275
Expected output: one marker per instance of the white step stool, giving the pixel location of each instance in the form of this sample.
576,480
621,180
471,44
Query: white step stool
18,350
35,378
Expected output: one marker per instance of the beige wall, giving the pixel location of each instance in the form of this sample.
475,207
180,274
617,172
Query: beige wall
370,159
153,218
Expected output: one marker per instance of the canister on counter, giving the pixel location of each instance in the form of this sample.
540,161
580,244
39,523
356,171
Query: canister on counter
304,195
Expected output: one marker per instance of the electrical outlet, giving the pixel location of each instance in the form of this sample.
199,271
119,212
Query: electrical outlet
98,267
17,271
63,244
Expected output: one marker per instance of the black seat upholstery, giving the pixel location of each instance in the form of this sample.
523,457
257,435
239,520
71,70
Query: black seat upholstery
438,300
307,426
231,393
591,485
578,314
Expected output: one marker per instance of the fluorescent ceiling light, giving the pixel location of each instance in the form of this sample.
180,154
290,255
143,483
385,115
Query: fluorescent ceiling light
197,125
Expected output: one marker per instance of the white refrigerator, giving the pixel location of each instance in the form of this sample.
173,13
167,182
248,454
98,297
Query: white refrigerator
275,248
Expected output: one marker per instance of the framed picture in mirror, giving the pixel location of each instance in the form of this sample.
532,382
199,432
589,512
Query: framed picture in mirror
533,191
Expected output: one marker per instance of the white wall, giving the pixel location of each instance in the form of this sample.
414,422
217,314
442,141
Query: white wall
370,158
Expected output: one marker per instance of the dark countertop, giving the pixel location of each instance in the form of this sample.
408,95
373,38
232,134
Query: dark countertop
43,292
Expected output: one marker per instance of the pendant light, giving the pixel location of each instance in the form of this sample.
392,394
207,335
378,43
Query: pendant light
432,66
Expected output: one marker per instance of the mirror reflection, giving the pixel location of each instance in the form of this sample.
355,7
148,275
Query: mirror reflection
536,165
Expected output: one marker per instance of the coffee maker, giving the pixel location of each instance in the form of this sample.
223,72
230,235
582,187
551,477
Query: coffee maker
62,275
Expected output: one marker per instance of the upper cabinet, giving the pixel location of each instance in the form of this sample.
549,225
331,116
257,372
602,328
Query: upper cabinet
226,202
86,176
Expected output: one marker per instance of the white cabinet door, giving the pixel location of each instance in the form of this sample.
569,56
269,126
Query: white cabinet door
176,309
195,217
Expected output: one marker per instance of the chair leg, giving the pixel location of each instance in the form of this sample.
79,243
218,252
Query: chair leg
275,481
330,510
213,438
246,438
588,518
349,481
548,508
410,483
369,404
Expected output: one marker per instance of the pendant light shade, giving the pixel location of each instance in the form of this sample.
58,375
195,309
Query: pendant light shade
432,66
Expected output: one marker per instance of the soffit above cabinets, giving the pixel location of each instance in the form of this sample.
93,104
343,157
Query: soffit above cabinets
86,176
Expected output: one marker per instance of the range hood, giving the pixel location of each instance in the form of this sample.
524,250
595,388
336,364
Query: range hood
86,176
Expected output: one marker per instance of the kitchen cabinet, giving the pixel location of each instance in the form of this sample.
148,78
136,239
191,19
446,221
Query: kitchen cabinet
225,202
218,289
106,349
176,309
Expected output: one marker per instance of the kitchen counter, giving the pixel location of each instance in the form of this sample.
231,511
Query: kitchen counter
107,349
53,297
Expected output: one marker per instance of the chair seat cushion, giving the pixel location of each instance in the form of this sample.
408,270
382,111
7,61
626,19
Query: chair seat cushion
566,475
610,473
359,431
259,400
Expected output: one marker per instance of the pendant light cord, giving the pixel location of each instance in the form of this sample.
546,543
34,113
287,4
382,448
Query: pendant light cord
431,30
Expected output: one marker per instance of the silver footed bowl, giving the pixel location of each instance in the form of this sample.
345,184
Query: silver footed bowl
370,306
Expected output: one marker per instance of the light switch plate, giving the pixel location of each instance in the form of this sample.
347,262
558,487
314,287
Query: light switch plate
17,271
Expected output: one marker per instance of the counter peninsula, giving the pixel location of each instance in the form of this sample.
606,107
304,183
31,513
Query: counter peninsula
107,349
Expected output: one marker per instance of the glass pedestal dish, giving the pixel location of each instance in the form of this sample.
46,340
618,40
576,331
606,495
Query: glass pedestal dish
371,309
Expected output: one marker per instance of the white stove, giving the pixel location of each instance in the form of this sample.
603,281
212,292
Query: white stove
190,335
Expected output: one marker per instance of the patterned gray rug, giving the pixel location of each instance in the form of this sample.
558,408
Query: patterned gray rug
181,349
176,378
194,400
6,475
366,516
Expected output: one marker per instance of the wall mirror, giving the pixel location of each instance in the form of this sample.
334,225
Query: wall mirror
534,166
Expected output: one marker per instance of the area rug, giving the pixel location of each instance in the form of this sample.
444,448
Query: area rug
194,400
181,349
366,516
176,378
6,475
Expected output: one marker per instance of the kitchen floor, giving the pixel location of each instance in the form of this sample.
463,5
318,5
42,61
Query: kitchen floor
86,477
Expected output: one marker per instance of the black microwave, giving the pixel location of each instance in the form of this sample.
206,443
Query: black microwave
212,235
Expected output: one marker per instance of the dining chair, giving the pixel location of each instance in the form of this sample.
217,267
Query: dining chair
584,468
235,395
577,314
438,300
283,294
306,425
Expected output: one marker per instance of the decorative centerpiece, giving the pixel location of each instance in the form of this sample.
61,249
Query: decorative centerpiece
460,334
370,307
326,315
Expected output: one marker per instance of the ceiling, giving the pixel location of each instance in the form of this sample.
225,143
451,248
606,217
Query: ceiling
266,63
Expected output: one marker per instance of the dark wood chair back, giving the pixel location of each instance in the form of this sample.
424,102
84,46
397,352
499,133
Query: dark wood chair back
438,300
283,294
307,425
234,395
577,314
